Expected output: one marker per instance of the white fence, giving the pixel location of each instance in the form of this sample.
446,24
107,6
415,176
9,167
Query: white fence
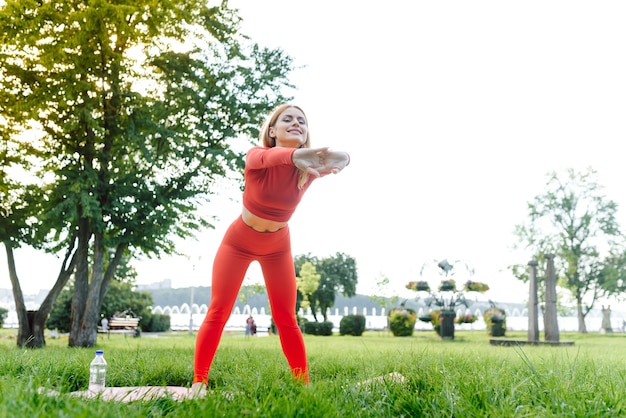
376,319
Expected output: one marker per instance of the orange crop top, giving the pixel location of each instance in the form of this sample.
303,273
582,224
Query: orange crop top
271,183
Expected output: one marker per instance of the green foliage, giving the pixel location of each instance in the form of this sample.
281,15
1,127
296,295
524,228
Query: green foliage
60,315
402,321
495,321
128,113
247,292
467,318
382,289
138,117
352,325
318,328
120,298
613,274
338,274
154,322
3,316
307,283
576,222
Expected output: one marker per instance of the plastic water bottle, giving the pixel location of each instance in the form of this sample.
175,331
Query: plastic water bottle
97,372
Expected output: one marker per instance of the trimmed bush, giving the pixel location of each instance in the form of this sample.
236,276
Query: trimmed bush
155,323
326,328
495,320
352,325
318,328
402,321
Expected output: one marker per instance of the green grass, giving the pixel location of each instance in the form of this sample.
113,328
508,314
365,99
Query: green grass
466,377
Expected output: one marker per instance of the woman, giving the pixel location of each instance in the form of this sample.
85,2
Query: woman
276,176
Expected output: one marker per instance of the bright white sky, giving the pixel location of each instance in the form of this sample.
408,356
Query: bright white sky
453,113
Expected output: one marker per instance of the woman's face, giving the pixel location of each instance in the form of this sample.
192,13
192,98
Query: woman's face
290,129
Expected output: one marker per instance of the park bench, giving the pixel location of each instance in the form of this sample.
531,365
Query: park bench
124,325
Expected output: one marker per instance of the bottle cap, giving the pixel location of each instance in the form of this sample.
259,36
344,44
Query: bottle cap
99,352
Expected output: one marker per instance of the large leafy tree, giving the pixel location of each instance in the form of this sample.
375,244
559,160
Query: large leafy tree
576,222
128,112
338,274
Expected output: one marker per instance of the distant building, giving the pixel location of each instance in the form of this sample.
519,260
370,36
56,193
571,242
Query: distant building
6,298
32,302
163,284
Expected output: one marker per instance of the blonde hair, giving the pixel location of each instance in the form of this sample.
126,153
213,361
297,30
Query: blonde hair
269,142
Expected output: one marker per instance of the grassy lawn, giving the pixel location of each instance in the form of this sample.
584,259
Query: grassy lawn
466,377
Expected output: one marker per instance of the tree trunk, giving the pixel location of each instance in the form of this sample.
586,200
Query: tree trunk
81,283
582,327
314,315
24,333
89,294
88,333
32,324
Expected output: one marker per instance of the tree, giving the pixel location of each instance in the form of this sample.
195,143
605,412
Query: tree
337,275
574,221
18,207
308,282
612,276
128,112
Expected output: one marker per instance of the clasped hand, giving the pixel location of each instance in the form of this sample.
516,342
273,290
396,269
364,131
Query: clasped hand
320,161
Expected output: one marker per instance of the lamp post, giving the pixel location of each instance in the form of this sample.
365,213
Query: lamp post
191,313
193,275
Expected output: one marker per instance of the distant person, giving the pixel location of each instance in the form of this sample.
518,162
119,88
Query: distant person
276,175
253,328
606,319
105,324
249,323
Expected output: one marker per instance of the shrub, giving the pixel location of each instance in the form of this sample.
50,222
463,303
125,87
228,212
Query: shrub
402,321
495,320
155,322
326,328
352,325
467,318
318,328
3,316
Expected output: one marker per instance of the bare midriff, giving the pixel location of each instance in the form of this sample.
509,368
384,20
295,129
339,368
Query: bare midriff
260,224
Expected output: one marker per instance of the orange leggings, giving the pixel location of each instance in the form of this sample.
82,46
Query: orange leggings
240,246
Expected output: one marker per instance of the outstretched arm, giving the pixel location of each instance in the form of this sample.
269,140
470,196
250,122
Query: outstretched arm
260,157
320,161
335,161
315,161
310,160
